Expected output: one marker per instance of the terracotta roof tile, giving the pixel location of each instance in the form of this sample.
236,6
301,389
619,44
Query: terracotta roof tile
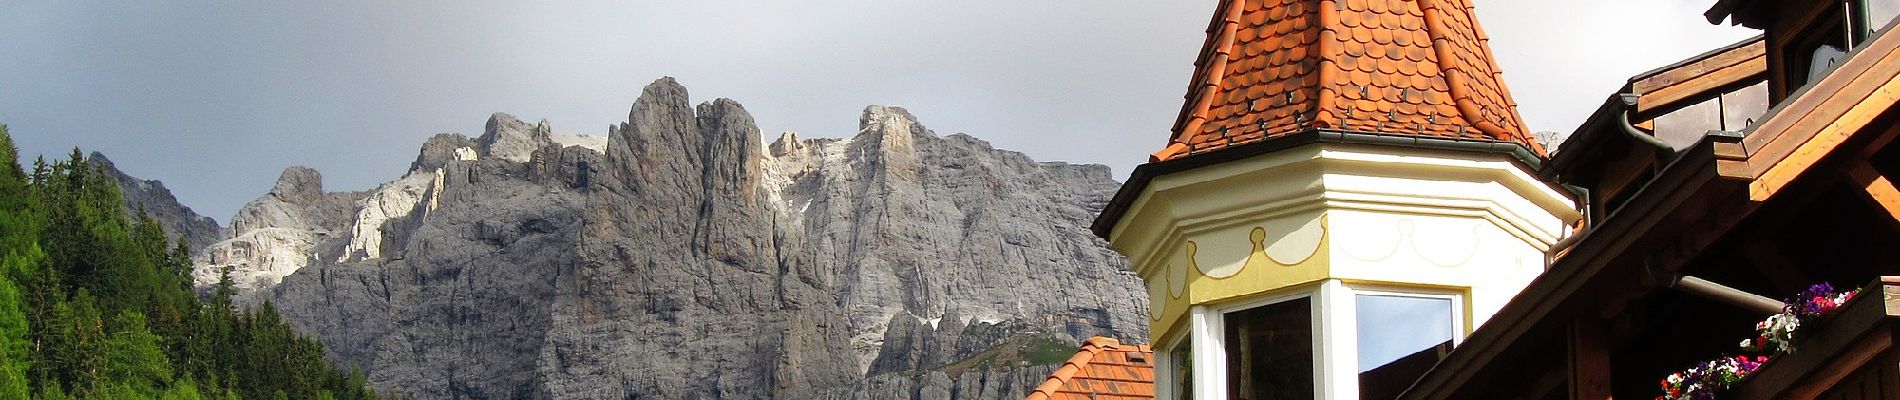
1104,369
1405,67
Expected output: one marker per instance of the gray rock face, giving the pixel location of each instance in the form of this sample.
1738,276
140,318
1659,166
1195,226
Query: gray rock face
510,139
157,201
686,258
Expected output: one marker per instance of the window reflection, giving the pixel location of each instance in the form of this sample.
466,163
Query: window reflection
1400,337
1733,111
1823,61
1742,108
1183,357
1684,127
1270,351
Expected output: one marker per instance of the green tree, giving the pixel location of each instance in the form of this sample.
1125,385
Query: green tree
18,253
70,257
134,356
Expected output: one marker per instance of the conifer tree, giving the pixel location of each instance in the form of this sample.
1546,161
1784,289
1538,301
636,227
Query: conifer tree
97,305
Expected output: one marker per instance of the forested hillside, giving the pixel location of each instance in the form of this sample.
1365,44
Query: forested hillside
97,305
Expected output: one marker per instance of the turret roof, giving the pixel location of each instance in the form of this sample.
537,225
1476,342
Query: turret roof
1271,68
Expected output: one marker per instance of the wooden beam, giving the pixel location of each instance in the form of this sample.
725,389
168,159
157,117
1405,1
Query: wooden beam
1878,189
1749,53
1809,128
1589,360
1674,95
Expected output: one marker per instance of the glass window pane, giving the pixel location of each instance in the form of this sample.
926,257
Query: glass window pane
1682,128
1183,358
1742,108
1270,352
1823,60
1400,337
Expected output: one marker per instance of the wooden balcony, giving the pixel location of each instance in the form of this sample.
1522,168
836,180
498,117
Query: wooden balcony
1847,356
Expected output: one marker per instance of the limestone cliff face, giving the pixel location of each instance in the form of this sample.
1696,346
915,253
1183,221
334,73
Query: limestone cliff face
687,258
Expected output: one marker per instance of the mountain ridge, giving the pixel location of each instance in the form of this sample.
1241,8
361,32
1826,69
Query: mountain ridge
687,257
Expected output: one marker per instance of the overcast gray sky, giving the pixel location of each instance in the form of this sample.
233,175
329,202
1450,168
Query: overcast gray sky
216,97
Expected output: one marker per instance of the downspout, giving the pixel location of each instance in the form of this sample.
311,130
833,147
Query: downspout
1589,223
1716,291
1664,152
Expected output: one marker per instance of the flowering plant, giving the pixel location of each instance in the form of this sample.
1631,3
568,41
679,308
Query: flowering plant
1818,300
1702,381
1774,336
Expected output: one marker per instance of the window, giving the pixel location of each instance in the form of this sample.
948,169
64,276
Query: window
1815,52
1742,108
1732,111
1393,327
1685,126
1401,336
1182,361
1376,342
1270,351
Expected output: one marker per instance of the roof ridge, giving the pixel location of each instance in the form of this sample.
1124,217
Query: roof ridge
1056,380
1086,355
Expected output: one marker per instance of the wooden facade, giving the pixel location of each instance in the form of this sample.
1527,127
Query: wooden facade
1802,194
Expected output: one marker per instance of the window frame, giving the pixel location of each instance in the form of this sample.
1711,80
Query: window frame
1334,309
1165,381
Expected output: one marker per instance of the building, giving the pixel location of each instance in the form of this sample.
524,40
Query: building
1347,193
1349,207
1695,235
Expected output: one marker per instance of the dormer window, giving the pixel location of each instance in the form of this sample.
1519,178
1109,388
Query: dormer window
1812,49
1816,50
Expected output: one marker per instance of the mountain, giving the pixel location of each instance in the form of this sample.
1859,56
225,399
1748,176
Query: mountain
177,220
684,257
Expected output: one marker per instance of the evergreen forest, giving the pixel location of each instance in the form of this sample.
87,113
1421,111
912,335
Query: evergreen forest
96,304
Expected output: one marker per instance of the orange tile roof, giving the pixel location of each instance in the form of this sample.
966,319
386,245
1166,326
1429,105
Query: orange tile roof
1271,68
1104,369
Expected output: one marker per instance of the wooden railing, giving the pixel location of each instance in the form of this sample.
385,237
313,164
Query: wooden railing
1849,355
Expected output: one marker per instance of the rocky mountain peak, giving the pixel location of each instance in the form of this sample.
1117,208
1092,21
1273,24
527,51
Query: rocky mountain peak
298,185
895,127
508,138
444,148
786,144
685,262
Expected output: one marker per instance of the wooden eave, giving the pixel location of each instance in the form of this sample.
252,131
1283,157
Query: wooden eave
1691,204
1743,62
1693,181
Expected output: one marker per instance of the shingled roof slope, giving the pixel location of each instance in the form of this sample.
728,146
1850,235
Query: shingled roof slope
1104,369
1271,68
